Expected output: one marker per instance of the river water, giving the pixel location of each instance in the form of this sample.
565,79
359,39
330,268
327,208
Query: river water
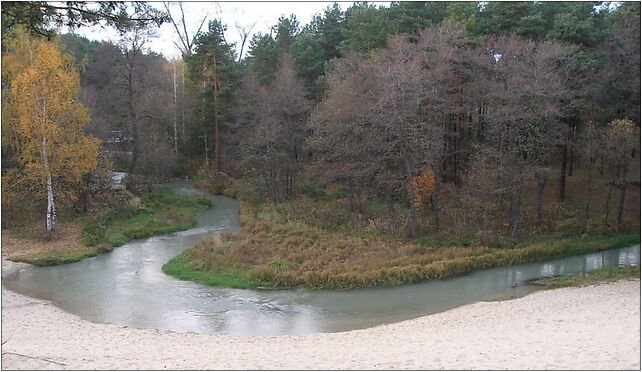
128,287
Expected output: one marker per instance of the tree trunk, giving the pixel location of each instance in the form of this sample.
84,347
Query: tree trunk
217,140
562,189
132,117
183,101
50,215
620,208
608,204
207,156
541,184
589,182
516,201
434,201
175,112
413,209
457,146
571,152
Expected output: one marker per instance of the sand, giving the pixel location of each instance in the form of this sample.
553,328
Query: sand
595,327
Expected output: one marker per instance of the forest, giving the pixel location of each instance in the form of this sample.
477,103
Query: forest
376,145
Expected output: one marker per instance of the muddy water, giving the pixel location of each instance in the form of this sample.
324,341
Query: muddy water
127,287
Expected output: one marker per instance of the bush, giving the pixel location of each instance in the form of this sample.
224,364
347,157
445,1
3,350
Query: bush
314,193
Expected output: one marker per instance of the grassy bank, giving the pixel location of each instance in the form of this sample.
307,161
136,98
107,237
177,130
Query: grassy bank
603,275
288,255
159,212
313,242
29,244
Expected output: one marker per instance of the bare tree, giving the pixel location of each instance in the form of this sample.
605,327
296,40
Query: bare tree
621,141
244,33
186,40
524,91
273,120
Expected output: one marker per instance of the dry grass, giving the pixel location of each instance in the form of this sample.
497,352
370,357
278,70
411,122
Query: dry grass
296,255
315,242
31,244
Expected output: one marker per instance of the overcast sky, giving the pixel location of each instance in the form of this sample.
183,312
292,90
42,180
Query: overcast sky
265,14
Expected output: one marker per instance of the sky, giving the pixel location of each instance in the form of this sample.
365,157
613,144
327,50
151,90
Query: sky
243,14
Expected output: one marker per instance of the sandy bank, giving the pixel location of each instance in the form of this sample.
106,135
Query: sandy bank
595,327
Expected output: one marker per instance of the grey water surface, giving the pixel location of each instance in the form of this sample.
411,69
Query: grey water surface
127,287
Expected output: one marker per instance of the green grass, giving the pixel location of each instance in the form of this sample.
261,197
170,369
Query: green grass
57,258
159,212
603,275
179,267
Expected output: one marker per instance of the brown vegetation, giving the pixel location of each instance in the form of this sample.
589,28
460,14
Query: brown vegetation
30,242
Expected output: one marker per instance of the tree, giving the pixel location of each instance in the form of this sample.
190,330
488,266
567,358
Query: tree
578,23
590,146
308,56
621,142
286,30
619,71
45,127
244,32
366,28
273,120
134,81
330,31
212,68
410,17
42,18
525,92
186,45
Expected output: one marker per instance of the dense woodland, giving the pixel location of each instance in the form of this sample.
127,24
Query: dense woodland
415,119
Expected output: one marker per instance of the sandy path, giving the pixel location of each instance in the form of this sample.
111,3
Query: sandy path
595,327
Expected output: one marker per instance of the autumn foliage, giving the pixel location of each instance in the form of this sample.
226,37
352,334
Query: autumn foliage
422,187
43,125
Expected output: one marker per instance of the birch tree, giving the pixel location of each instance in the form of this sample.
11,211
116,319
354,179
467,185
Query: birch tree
45,127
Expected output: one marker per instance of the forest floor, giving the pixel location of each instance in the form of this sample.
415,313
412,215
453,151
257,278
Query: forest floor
595,327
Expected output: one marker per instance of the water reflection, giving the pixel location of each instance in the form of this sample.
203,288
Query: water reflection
127,287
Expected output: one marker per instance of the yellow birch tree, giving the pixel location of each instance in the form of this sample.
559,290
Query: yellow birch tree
43,124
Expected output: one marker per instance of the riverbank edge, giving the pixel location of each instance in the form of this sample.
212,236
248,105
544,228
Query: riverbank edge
570,328
235,277
598,276
47,258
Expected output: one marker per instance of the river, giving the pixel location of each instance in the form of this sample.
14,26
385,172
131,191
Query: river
128,287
